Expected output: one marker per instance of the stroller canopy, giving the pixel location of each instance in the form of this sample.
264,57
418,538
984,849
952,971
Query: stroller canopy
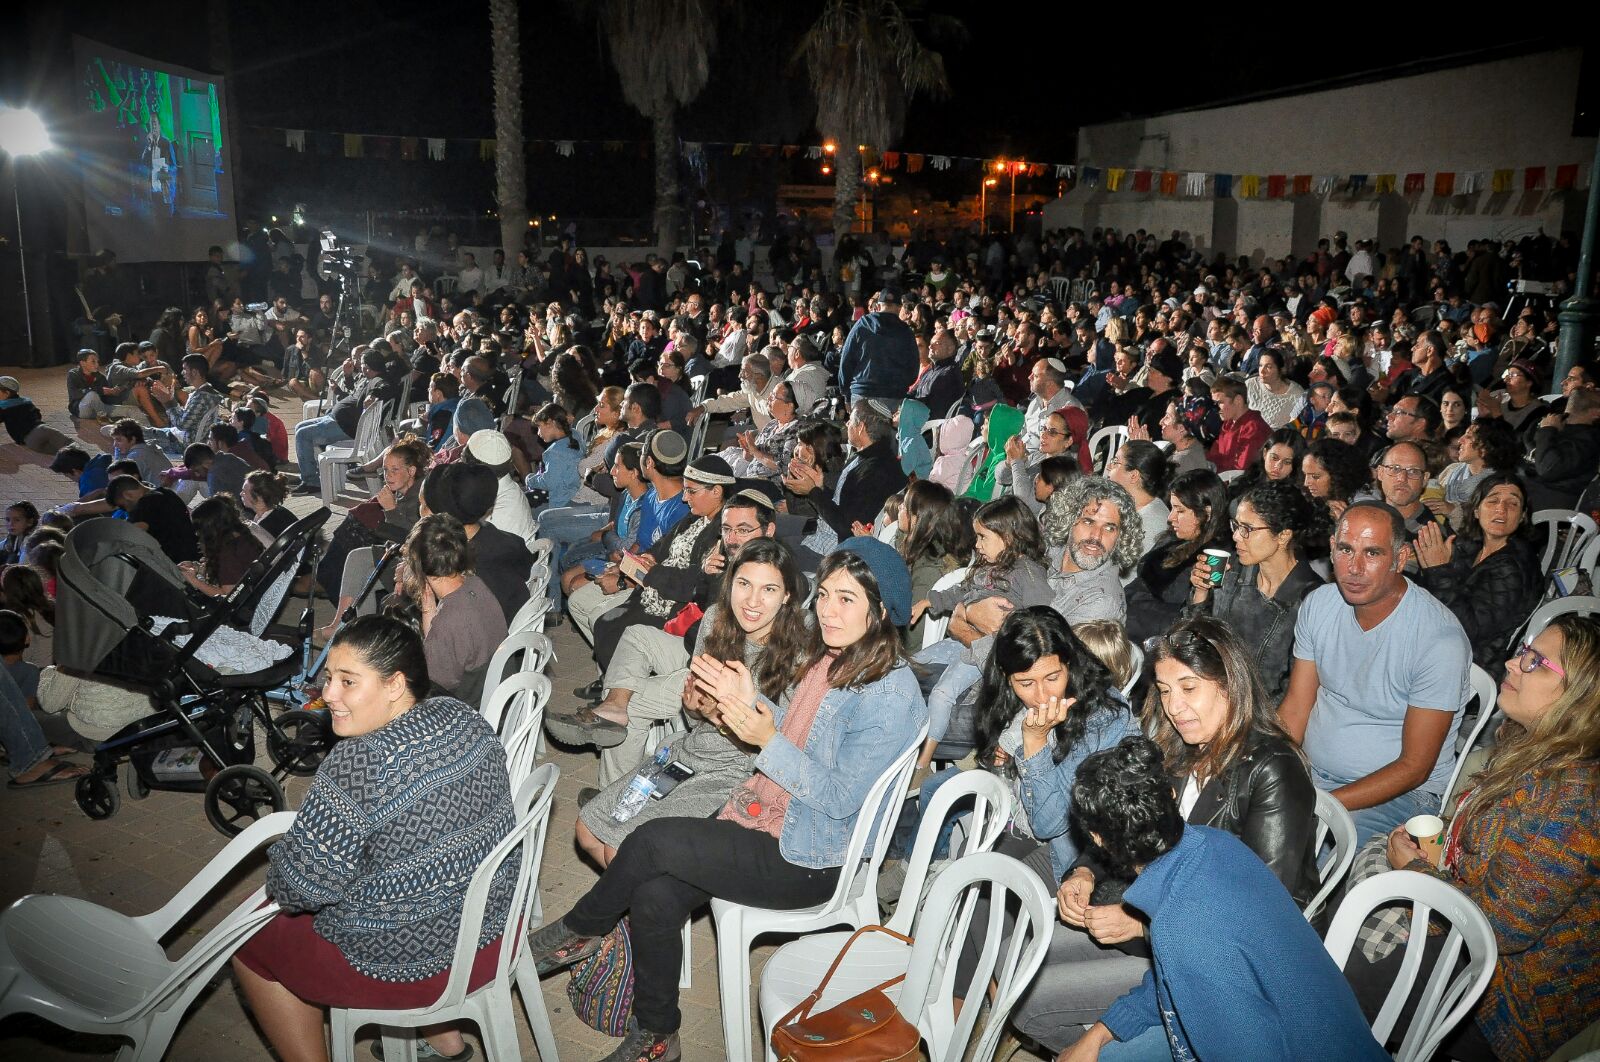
103,560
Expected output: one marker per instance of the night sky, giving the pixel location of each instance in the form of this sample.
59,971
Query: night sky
1021,82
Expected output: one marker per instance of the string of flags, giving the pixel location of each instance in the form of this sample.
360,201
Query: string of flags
1139,180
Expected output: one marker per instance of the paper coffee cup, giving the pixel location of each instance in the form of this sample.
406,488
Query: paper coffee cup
1428,832
1216,560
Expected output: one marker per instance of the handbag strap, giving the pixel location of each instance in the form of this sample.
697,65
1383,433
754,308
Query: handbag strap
803,1010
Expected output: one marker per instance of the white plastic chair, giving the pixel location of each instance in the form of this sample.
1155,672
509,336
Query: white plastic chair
930,434
926,996
933,627
489,1007
1578,604
1230,475
513,699
1332,820
1104,444
521,652
1580,531
1488,694
1590,558
334,460
539,580
991,810
86,968
531,616
1137,655
1446,999
854,901
544,552
444,286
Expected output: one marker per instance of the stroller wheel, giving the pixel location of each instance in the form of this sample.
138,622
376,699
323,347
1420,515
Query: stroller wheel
97,795
138,789
299,741
239,795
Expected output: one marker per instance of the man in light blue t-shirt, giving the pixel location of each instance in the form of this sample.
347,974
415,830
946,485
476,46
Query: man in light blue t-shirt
1379,679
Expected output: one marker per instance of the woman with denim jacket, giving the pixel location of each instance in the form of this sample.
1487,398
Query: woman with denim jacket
781,838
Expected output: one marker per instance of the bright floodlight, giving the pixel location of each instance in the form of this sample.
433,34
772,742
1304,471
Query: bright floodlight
22,132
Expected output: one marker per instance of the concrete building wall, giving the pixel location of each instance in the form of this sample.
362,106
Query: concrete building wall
1507,113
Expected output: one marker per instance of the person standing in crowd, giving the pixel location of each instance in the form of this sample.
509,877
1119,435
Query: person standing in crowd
879,358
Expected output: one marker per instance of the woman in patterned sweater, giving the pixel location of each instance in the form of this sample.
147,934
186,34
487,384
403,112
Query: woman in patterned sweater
1525,846
374,872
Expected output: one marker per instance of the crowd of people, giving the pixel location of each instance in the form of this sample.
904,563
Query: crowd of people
805,524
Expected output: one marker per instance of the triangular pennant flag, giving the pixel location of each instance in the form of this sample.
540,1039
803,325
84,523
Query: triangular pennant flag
1141,180
940,162
1358,183
1301,184
295,138
1324,185
1114,175
1063,172
1224,182
1566,176
814,152
565,148
1472,183
1250,186
891,160
1038,169
1533,178
1384,185
1414,183
1276,183
1091,176
352,146
1444,185
436,148
1169,182
1501,182
1194,183
486,150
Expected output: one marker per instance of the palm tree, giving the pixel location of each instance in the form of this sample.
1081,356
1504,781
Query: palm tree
661,50
866,63
510,156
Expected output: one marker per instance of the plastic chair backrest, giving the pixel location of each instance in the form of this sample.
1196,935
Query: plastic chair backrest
1580,604
1580,530
1487,693
1447,995
369,434
1590,558
1230,475
529,650
930,434
1334,820
1104,444
875,823
697,388
583,429
1009,957
543,550
530,617
933,627
991,810
525,843
516,711
1137,656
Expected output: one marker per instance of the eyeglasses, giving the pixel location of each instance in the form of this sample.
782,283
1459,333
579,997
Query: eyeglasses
1052,431
1404,413
1245,529
1530,660
1401,470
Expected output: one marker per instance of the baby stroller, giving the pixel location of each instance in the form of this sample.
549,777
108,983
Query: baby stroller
126,616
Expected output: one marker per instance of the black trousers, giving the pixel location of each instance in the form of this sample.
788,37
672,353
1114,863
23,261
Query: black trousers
1372,981
666,869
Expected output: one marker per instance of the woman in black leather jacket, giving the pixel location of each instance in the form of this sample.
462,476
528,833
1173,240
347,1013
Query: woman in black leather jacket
1198,521
1233,768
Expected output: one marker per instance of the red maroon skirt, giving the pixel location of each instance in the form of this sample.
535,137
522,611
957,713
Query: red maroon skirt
289,951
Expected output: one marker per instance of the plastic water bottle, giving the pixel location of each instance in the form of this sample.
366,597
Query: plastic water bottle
635,797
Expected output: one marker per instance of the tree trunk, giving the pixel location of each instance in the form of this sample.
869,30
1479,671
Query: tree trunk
510,157
669,214
846,190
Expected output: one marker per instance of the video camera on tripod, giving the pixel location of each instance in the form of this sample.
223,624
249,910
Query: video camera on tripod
338,260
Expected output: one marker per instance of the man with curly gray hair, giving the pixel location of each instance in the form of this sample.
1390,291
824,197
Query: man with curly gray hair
1093,531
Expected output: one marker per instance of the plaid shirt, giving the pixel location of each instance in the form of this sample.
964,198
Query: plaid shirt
188,417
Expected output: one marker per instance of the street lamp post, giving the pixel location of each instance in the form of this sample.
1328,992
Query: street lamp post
1581,311
1015,166
983,201
22,133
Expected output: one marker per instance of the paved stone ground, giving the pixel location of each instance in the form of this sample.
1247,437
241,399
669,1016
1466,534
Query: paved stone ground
136,860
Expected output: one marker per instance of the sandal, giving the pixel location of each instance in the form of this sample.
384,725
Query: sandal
59,772
584,727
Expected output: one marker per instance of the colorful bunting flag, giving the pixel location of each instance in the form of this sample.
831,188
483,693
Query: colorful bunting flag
1444,185
891,160
1414,183
1114,177
1250,186
1533,178
1358,183
436,148
1169,182
295,139
914,163
1091,176
1276,183
1224,185
1141,180
1384,185
1501,181
1302,184
352,146
1566,176
486,150
1194,183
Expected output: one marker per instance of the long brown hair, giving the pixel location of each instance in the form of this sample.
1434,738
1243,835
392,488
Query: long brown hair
938,528
791,643
1566,734
1210,649
878,651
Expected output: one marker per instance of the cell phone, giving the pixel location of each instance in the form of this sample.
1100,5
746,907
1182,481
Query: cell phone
632,567
668,777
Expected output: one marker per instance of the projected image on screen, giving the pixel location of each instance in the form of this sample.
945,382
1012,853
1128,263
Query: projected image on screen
155,165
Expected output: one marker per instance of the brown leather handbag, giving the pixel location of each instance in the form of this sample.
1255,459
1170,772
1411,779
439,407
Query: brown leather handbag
864,1028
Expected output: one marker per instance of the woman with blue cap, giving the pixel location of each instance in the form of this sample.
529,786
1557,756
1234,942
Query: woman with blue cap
781,838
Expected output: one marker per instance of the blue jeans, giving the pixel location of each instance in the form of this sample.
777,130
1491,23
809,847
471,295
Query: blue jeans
1149,1046
171,441
24,742
1382,818
958,677
311,436
569,527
